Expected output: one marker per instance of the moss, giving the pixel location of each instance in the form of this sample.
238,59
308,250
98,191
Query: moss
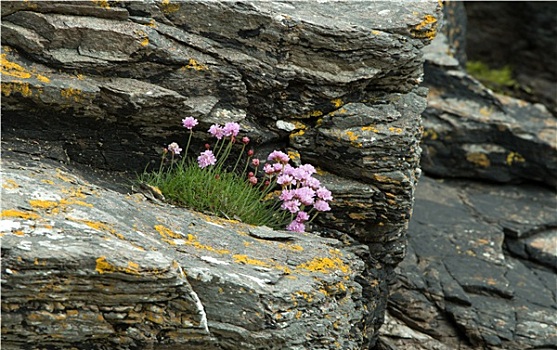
498,80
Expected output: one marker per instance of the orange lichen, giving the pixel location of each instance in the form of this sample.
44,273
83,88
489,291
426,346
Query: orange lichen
337,102
12,87
370,128
395,130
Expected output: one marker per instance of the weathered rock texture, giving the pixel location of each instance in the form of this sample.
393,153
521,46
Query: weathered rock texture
89,267
336,83
480,271
521,35
471,132
482,256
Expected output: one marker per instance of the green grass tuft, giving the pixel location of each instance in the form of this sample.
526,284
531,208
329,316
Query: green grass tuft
216,191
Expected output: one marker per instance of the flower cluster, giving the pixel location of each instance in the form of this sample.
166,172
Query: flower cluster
299,189
301,194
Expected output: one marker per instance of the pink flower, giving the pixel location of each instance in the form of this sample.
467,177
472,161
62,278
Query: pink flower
250,153
324,194
292,206
321,205
255,162
313,183
305,195
231,129
302,216
285,180
296,226
206,158
217,131
308,168
268,169
245,140
278,156
174,148
189,122
252,180
286,195
278,167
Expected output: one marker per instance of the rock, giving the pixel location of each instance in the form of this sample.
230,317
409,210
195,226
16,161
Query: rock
459,287
471,132
335,83
528,45
88,267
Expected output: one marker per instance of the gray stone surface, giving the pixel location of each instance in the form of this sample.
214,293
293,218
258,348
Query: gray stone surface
471,132
89,267
334,83
471,278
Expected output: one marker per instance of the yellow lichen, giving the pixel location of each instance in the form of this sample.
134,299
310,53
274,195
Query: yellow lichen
193,64
14,213
337,102
375,32
370,128
192,241
514,157
43,79
431,134
244,259
13,69
144,42
10,184
297,133
479,159
357,216
102,3
71,93
351,136
43,204
294,155
168,8
395,130
12,87
325,265
49,182
103,266
290,246
422,31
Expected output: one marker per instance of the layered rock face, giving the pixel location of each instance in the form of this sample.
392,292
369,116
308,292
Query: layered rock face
481,266
106,84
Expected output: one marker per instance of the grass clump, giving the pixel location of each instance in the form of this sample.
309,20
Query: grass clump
279,196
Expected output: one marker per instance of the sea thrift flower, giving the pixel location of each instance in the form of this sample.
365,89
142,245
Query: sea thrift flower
250,153
268,169
206,158
286,195
174,148
313,183
245,140
189,122
302,216
278,156
296,226
231,129
252,180
255,162
324,194
285,180
308,168
207,146
305,195
217,131
292,206
321,205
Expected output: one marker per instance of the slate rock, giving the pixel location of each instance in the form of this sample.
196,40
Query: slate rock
471,132
459,286
88,267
